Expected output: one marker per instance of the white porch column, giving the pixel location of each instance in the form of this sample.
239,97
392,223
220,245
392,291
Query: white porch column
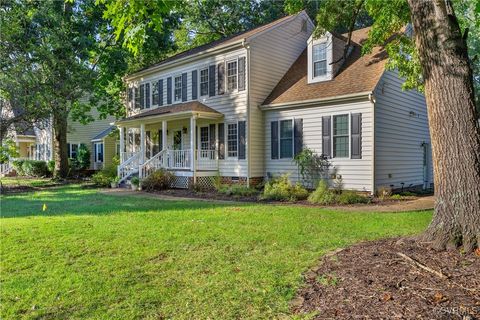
193,124
164,135
122,143
142,143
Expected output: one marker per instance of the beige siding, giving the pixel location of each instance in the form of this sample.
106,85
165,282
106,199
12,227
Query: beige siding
272,54
80,133
356,173
401,126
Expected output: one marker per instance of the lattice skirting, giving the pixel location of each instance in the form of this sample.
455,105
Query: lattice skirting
206,183
180,182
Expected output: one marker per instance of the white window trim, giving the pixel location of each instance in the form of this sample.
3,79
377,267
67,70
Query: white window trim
153,84
227,155
328,39
226,75
174,100
200,81
279,138
95,154
70,148
200,137
349,116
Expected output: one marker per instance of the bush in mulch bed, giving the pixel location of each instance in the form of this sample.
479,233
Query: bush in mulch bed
392,279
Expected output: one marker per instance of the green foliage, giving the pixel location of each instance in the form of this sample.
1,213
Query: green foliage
327,280
312,166
51,166
18,167
8,150
34,168
135,181
322,195
158,180
237,190
281,189
104,177
82,161
351,197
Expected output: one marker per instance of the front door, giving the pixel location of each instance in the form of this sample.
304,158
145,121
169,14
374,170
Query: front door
204,142
177,140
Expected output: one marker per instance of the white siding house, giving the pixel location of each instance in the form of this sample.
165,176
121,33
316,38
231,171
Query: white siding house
242,107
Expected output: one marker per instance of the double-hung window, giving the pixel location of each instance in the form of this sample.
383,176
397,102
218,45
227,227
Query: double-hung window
72,150
286,139
155,93
204,82
99,152
340,136
137,97
232,140
177,93
319,60
232,75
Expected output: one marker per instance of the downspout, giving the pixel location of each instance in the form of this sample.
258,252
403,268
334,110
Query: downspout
247,47
371,98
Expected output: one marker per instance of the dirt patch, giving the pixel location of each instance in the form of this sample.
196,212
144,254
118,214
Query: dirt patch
372,280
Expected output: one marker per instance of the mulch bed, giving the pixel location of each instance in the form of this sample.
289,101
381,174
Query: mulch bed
213,195
372,280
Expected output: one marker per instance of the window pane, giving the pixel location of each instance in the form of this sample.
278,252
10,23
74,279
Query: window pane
204,138
340,146
286,139
232,145
154,93
319,68
178,88
232,75
319,52
204,82
340,125
137,98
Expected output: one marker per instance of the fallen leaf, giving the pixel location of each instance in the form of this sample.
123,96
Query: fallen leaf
386,297
477,252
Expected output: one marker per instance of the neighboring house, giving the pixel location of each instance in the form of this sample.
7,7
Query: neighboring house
99,136
243,106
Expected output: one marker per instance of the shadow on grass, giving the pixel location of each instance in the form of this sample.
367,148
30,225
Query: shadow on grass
83,200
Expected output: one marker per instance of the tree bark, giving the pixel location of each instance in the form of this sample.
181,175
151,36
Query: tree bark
60,152
454,130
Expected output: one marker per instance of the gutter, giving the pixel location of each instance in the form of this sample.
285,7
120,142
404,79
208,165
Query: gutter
310,102
175,62
247,47
371,98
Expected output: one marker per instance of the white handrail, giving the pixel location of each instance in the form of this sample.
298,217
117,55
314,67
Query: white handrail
154,163
207,160
128,167
5,168
178,159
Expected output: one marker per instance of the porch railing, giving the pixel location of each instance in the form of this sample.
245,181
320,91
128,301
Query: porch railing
207,160
154,163
178,159
5,168
129,167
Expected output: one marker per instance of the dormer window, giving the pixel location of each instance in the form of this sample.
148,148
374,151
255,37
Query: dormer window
319,58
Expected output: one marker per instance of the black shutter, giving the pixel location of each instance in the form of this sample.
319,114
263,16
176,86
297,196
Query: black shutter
211,133
326,136
68,150
194,84
297,136
147,95
211,81
221,78
221,141
356,135
184,86
160,140
274,139
160,92
241,74
241,140
142,96
148,152
169,90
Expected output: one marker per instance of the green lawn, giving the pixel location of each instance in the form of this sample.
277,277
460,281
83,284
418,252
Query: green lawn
25,182
91,255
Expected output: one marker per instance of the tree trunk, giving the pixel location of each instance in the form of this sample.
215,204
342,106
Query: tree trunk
454,130
60,151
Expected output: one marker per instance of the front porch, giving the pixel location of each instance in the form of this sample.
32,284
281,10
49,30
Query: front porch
184,142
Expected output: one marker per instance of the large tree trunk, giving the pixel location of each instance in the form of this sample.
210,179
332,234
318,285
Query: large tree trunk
454,129
60,152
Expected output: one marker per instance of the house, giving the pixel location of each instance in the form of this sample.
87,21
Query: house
243,106
99,136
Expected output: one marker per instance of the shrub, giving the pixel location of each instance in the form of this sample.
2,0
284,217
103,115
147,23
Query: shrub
83,158
312,166
237,190
51,166
281,189
35,168
322,195
351,197
104,177
158,180
18,166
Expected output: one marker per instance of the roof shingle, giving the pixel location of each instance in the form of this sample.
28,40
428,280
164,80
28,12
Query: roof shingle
358,74
191,106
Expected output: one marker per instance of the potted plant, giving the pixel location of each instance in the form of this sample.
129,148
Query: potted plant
114,183
135,182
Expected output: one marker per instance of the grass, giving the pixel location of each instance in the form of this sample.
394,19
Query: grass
25,181
91,255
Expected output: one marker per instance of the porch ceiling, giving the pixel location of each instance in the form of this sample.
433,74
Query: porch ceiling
176,111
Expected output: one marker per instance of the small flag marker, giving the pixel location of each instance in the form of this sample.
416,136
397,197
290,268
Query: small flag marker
44,208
